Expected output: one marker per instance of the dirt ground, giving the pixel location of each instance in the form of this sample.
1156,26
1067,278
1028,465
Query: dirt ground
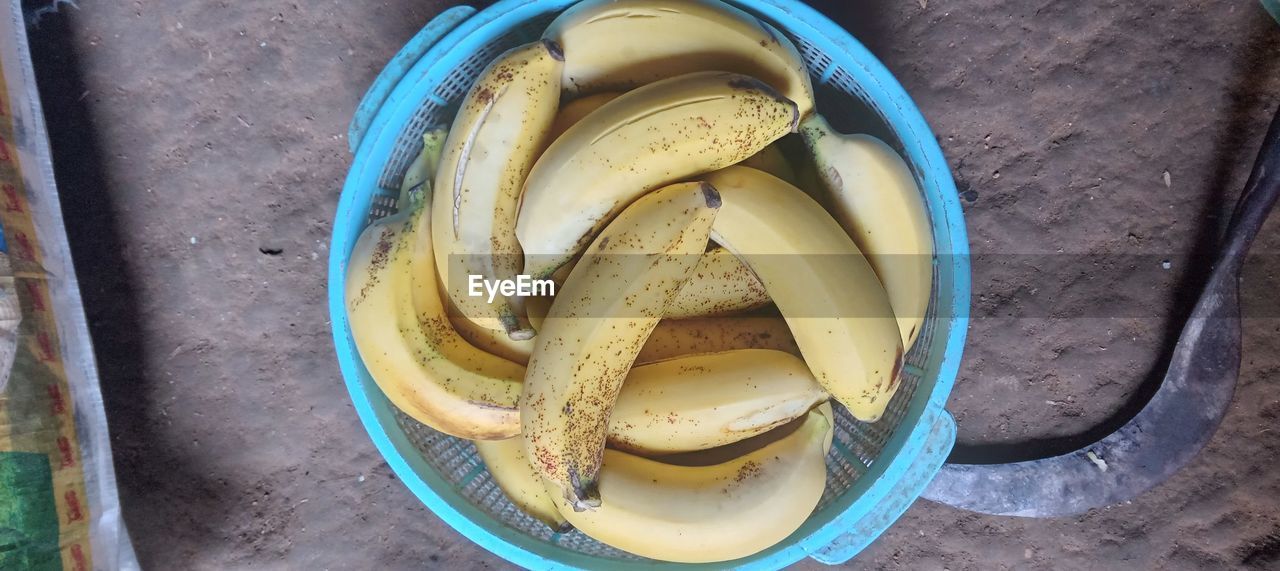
201,148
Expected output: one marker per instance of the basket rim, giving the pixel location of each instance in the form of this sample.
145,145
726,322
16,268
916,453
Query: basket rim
901,449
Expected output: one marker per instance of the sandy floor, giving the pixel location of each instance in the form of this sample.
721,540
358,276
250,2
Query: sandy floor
192,137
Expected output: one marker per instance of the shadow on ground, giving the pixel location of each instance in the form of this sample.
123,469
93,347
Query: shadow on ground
110,293
1232,141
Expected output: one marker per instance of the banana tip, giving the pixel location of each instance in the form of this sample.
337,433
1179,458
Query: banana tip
583,495
711,195
553,48
897,370
523,334
586,504
773,38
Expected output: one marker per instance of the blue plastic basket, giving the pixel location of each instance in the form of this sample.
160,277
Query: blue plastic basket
875,471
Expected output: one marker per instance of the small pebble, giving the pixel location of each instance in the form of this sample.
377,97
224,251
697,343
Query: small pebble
193,240
1097,460
1166,264
360,479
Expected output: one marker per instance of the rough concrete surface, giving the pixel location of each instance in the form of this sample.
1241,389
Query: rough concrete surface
201,148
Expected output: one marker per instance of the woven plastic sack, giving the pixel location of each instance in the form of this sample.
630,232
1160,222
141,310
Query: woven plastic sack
59,508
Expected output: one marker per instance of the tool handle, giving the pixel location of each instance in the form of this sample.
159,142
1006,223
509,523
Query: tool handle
1255,204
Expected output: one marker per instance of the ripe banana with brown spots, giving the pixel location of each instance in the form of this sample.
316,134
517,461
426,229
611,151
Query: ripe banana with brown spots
681,405
515,475
490,341
574,111
650,137
402,331
708,400
678,337
698,383
499,131
704,514
616,45
874,197
598,323
824,287
720,285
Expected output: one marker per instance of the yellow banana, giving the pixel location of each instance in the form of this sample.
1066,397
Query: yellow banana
720,285
774,162
678,337
495,139
403,334
653,136
574,111
538,308
422,169
515,475
873,195
683,331
616,45
691,397
700,394
490,341
722,454
713,399
800,158
704,514
826,412
679,405
599,321
830,296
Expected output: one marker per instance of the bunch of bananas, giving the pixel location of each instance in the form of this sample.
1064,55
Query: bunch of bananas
656,402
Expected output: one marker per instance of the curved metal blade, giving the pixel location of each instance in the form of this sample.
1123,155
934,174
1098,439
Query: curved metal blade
1171,429
1146,451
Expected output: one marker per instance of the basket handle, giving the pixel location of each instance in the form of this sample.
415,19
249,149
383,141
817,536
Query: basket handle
399,66
937,444
1273,8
